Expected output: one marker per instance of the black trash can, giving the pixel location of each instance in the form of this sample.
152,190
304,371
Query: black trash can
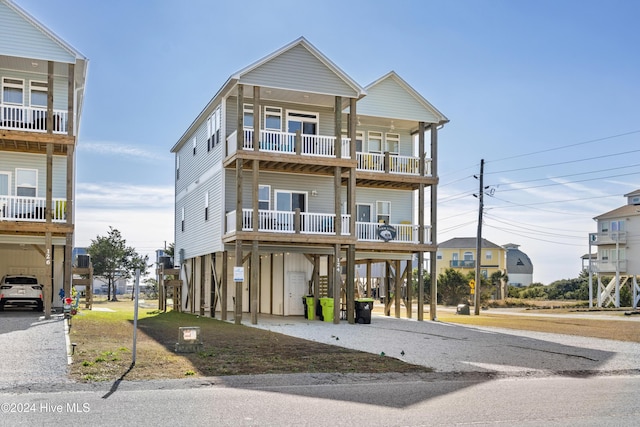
363,310
463,309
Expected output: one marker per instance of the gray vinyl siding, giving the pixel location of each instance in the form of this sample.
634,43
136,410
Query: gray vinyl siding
298,69
201,237
326,115
389,99
10,161
20,38
401,203
405,146
322,203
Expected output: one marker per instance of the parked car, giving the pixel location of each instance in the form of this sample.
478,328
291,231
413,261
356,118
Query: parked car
21,290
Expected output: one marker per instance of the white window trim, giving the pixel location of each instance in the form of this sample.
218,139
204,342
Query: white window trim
369,137
315,120
365,204
306,197
378,214
392,137
37,88
19,185
8,174
13,85
246,108
273,112
268,200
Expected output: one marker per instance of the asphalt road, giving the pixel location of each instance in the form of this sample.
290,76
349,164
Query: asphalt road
483,376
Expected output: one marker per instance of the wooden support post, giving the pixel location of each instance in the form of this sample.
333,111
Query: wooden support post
316,283
254,283
350,285
398,289
434,222
369,280
239,214
336,285
420,286
387,289
203,268
223,292
409,296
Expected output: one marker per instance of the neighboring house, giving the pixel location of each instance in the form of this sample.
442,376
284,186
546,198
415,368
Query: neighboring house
519,266
459,253
618,246
42,81
291,175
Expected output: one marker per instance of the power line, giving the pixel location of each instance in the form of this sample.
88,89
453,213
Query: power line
571,182
569,145
573,174
564,163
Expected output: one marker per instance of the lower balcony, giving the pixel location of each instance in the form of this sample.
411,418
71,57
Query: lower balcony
288,222
33,119
32,209
609,266
324,224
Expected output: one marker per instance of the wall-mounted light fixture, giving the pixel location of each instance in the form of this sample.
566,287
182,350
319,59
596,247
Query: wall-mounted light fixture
314,193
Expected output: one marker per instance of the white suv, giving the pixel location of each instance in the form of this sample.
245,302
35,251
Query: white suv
21,290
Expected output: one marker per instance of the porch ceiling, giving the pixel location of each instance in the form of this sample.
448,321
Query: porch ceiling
32,142
289,96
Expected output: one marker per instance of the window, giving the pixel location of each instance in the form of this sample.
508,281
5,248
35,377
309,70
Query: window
195,144
26,182
264,197
383,209
206,206
604,255
213,129
393,140
5,184
488,255
12,91
375,142
617,225
247,116
306,123
182,220
38,94
273,118
468,256
177,167
439,255
604,226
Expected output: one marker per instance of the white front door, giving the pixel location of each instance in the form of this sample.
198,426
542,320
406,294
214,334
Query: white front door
295,289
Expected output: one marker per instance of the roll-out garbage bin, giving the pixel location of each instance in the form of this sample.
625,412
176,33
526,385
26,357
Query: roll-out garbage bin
310,307
327,309
363,310
463,309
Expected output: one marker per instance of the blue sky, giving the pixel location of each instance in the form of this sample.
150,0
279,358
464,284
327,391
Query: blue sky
546,92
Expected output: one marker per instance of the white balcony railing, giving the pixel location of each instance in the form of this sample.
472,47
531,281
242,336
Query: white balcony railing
609,266
288,222
608,237
290,143
405,233
34,119
391,163
15,208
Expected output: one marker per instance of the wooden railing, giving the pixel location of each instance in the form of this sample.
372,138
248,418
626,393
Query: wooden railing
291,143
288,222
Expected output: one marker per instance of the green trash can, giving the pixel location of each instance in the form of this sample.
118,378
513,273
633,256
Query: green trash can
327,309
363,310
311,307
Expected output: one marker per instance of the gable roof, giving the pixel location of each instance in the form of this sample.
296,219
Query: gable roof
318,69
467,243
392,97
25,36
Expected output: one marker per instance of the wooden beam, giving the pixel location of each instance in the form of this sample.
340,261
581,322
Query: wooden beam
254,283
434,222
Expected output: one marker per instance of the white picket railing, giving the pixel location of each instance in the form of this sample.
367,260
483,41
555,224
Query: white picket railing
18,117
16,208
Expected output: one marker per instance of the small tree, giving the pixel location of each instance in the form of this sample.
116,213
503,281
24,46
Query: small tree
453,287
112,259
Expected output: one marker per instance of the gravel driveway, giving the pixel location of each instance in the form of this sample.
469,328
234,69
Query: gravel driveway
33,350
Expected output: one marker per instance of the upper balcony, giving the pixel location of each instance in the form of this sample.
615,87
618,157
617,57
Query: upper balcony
320,151
31,209
462,263
608,238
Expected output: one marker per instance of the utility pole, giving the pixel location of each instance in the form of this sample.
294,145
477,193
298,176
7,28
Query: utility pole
479,242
